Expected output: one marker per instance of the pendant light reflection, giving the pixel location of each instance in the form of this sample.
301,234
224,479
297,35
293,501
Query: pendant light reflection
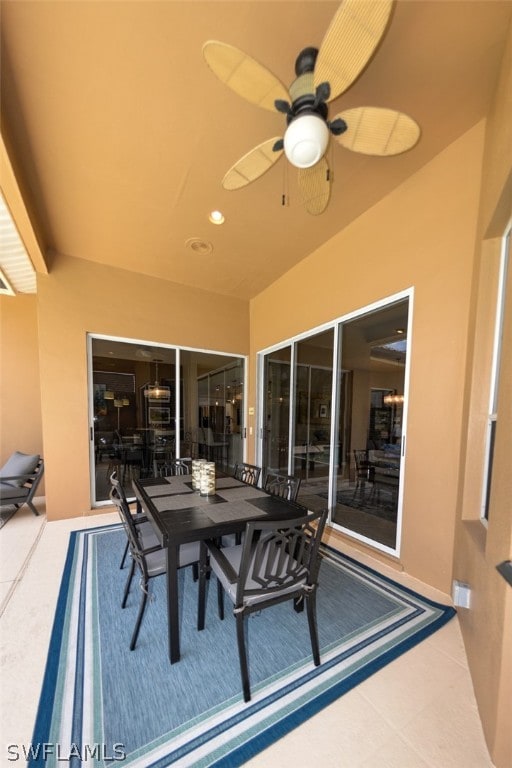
155,391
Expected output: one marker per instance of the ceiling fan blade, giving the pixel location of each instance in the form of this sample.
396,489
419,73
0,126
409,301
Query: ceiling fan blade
378,131
252,165
244,75
315,187
349,42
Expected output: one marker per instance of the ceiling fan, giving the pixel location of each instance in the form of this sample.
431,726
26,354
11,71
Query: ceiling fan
322,75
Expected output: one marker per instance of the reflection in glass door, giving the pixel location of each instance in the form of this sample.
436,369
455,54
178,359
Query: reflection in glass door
373,353
276,411
343,438
151,404
313,413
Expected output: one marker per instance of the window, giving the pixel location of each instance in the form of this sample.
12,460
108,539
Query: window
492,418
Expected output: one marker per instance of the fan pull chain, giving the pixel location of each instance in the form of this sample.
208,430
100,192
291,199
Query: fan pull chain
285,193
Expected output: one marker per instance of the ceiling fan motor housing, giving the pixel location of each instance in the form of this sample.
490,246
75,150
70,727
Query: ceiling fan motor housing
307,135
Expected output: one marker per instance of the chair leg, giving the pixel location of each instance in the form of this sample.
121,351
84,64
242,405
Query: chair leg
220,599
244,669
128,584
201,600
313,631
142,608
124,555
34,510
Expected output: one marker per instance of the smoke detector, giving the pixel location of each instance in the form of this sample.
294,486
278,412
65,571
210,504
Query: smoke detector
200,247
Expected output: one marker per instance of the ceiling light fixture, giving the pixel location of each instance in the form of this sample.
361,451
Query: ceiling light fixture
305,140
216,217
393,399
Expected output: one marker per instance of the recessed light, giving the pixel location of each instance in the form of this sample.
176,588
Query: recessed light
399,330
216,217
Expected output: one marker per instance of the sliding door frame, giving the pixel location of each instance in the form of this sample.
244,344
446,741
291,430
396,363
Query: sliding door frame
95,504
337,325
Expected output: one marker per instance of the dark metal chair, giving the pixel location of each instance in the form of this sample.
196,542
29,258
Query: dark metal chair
144,527
247,473
150,560
285,486
170,467
278,560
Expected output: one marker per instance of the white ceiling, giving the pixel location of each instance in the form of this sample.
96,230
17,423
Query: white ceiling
120,134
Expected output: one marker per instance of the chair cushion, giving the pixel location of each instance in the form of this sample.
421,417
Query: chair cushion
19,464
234,556
8,491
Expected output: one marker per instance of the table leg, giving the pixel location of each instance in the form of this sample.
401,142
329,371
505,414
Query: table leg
173,604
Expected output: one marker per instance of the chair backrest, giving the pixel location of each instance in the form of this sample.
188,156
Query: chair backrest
362,464
117,496
279,558
285,486
247,473
20,468
36,477
169,467
114,483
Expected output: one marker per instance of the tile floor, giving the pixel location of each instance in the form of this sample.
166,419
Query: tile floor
418,712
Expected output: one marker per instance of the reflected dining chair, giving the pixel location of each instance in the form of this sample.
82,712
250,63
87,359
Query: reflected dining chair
172,467
285,486
278,560
150,559
364,473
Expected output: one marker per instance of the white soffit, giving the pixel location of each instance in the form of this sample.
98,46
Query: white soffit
17,274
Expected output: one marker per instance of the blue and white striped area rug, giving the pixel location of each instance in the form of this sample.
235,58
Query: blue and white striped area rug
104,705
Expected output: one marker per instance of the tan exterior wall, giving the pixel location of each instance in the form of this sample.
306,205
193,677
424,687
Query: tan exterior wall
421,235
80,297
20,390
487,626
434,233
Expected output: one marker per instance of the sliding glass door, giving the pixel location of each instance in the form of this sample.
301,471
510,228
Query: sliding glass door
334,415
152,403
313,412
372,360
276,411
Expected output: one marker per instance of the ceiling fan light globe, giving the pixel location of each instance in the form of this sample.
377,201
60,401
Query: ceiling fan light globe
305,140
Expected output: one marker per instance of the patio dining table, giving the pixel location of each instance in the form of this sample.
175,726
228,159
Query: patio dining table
179,514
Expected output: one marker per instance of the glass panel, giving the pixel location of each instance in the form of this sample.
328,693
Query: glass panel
136,408
213,407
313,413
276,416
373,350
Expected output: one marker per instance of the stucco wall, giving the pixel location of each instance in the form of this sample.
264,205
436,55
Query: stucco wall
421,235
20,392
487,626
80,297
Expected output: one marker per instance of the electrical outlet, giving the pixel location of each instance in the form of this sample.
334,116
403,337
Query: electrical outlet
461,594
